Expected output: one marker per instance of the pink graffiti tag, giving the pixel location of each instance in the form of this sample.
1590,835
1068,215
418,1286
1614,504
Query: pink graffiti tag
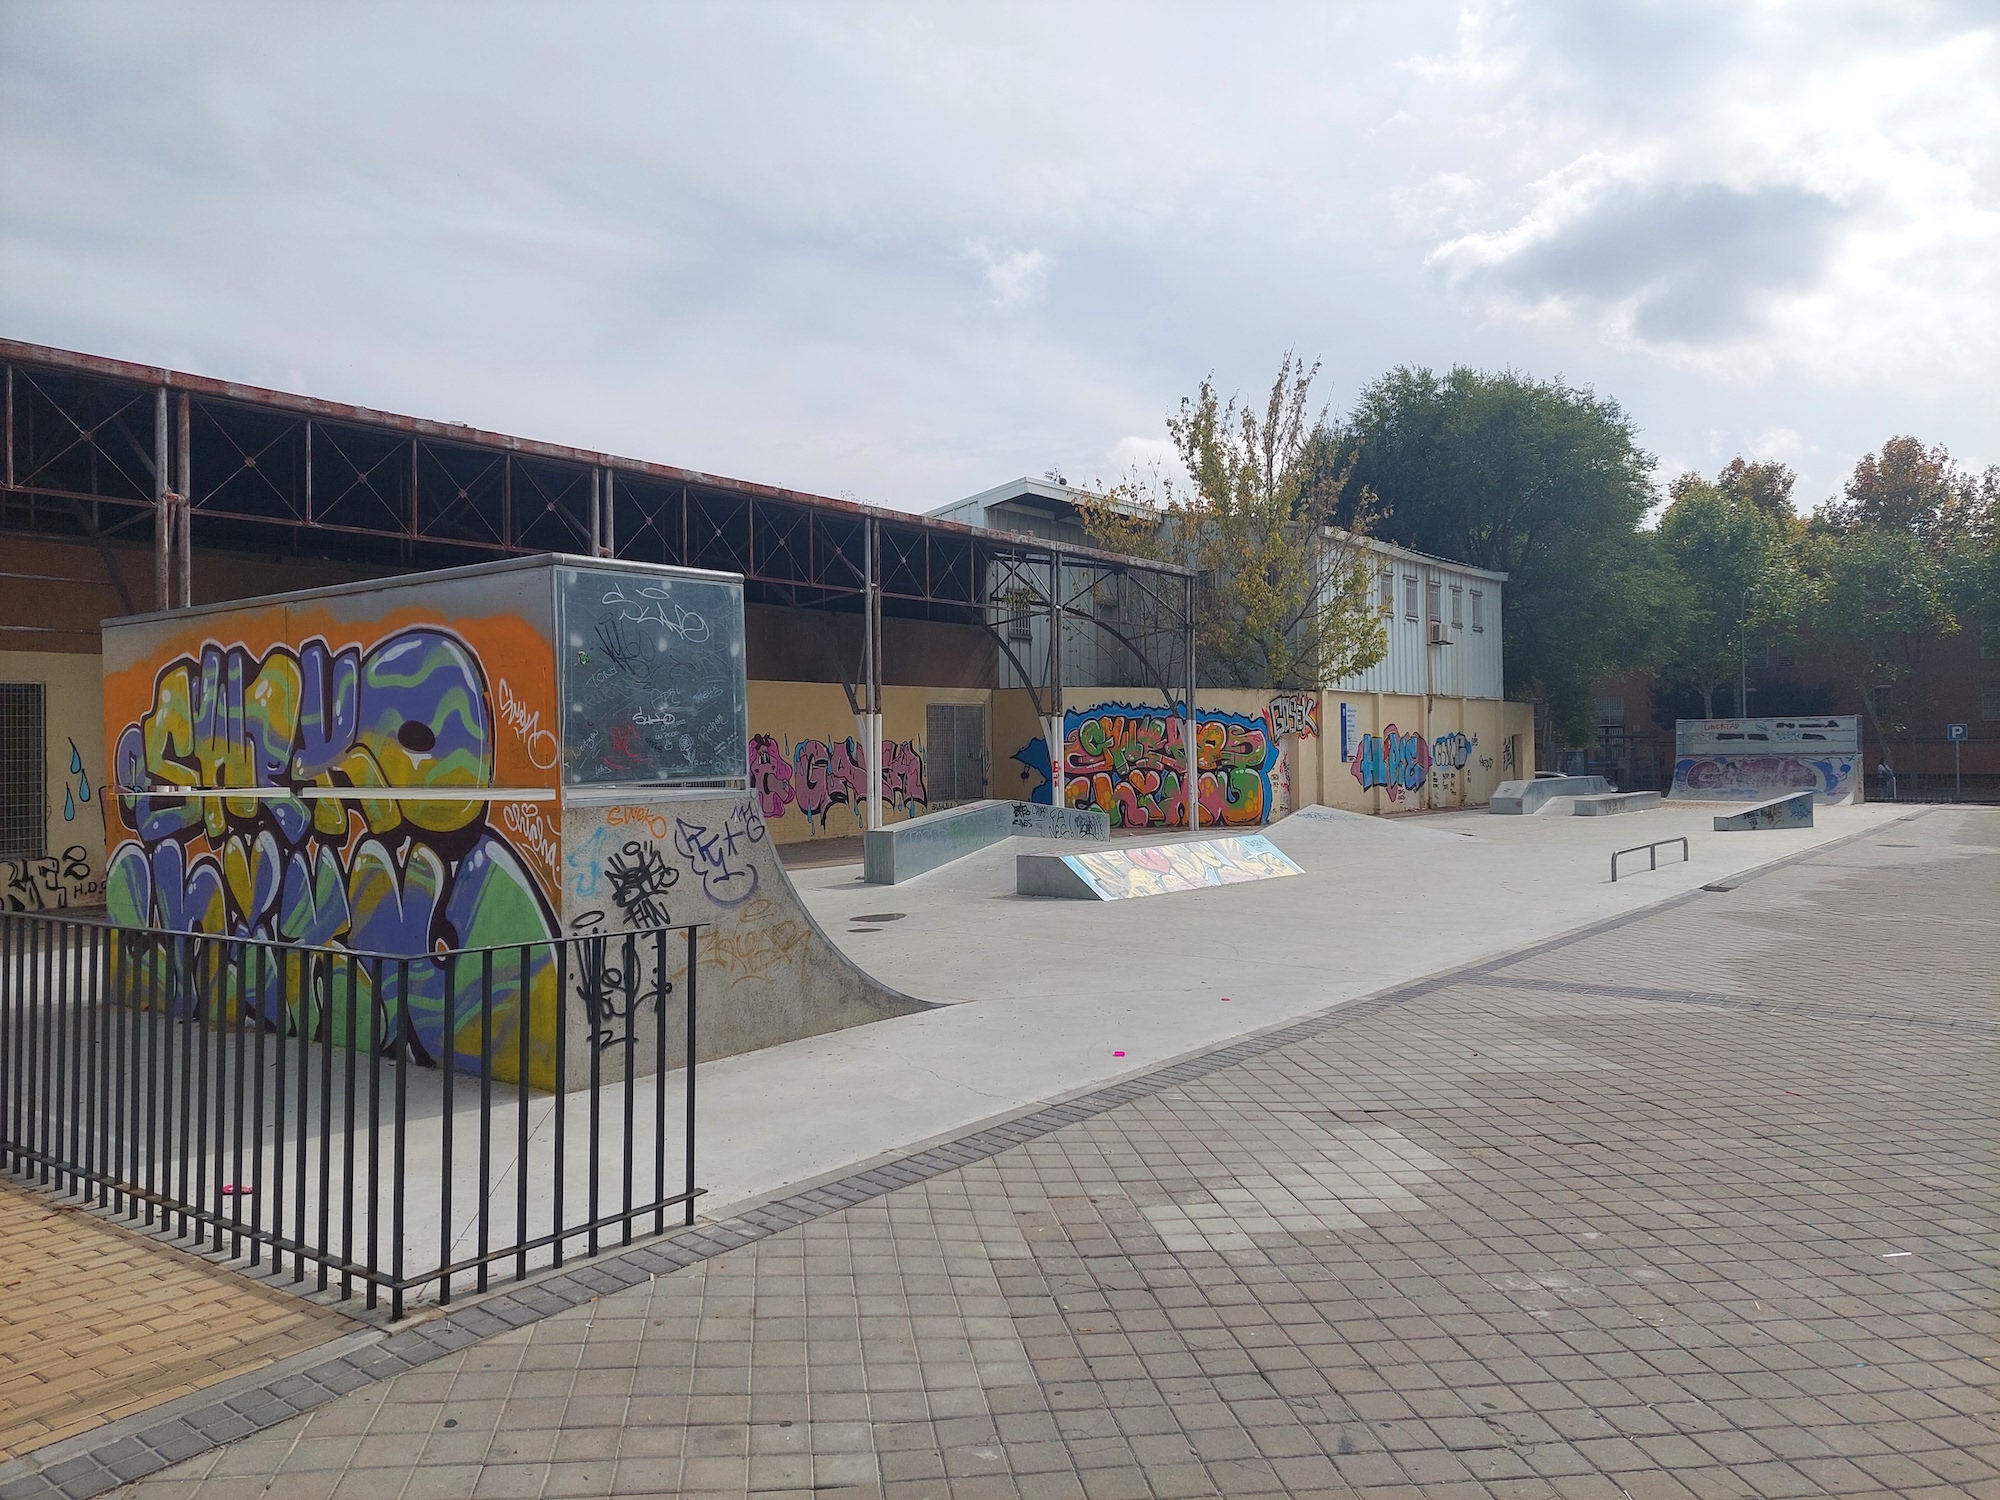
902,774
770,776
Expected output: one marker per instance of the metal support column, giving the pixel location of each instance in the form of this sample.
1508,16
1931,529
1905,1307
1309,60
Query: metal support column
610,527
163,523
1052,726
10,427
184,536
1191,746
871,687
596,505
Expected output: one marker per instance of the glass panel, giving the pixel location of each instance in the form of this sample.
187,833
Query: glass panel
652,676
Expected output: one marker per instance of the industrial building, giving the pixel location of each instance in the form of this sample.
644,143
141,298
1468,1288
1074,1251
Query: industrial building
894,659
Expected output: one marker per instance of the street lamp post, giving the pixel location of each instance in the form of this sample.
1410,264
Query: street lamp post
1743,655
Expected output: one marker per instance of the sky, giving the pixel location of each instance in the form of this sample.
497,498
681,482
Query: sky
902,253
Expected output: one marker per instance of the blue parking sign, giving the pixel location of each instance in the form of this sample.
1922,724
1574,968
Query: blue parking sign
1957,732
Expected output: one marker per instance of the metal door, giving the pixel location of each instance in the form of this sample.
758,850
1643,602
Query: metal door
954,752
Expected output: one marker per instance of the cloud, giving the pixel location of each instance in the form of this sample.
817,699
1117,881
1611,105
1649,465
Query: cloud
1013,279
1687,264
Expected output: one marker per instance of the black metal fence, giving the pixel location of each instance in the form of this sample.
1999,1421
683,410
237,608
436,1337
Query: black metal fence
404,1123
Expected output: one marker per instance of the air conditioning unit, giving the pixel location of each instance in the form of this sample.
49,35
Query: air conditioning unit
1439,635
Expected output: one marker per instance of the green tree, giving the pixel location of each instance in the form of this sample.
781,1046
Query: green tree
1284,600
1539,479
1730,553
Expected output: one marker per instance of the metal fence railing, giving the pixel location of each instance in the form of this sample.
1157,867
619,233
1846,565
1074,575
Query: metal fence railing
405,1123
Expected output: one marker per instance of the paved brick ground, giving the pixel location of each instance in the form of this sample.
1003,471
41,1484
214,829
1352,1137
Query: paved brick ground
96,1323
1701,1205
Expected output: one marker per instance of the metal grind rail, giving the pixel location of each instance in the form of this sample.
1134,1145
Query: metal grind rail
1652,853
259,1098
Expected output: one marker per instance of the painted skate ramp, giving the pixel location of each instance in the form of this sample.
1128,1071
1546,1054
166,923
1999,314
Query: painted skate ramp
768,974
1757,760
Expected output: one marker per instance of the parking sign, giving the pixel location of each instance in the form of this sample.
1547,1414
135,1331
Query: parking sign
1957,732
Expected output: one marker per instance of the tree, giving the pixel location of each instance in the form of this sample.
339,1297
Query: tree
1902,558
1283,601
1729,549
1541,480
1768,486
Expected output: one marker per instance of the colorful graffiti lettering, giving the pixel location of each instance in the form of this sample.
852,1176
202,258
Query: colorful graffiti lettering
820,775
1399,763
1452,751
1156,870
1128,763
1295,713
299,860
1763,775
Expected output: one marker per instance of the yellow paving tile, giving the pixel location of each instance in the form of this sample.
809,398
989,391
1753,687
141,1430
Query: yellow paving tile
97,1323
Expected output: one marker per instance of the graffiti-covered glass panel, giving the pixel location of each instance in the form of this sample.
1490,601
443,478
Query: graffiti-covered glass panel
652,678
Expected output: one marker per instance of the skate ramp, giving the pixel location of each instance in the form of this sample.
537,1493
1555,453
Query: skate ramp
769,973
1152,870
1757,760
1795,811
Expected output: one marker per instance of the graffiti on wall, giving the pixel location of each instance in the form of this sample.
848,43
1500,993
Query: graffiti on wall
76,789
1128,763
816,776
1294,713
49,882
1450,755
408,712
1399,763
1763,775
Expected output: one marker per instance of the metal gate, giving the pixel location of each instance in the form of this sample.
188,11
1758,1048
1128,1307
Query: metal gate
955,753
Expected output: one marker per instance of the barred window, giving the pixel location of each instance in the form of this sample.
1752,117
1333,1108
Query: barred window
1457,607
1410,595
23,772
1478,610
1434,599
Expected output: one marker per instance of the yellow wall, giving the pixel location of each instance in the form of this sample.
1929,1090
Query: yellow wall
824,793
1487,722
71,872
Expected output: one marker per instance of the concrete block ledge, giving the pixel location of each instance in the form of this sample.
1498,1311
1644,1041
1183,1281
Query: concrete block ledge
1598,805
1516,797
892,855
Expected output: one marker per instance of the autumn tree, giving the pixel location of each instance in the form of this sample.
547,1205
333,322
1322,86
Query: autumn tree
1283,599
1901,559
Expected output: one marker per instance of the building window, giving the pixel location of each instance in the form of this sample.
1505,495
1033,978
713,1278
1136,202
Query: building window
1457,607
1989,642
1989,701
1433,600
1883,696
23,772
1478,610
1020,615
1410,595
1388,582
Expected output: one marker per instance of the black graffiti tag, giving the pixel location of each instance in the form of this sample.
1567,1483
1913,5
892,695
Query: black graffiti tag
640,879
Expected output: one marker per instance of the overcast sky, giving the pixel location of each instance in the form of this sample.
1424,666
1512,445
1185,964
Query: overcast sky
903,253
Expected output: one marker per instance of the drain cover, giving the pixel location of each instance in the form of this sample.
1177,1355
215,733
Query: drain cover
882,916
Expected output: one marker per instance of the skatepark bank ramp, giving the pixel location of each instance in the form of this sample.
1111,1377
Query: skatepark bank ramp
1754,760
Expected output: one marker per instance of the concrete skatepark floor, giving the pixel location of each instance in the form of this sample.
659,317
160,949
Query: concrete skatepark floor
1696,1202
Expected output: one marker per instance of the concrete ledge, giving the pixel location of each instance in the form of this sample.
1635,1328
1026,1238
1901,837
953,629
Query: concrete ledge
892,855
1532,796
1795,811
1598,804
1152,869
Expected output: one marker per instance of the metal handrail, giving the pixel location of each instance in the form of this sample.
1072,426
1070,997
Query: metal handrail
1652,854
